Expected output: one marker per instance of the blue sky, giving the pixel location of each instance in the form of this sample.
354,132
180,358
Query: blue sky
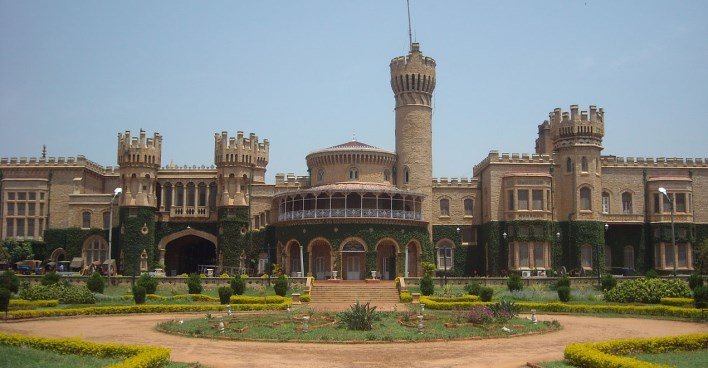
306,74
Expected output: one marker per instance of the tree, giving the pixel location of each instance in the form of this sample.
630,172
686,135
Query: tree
17,251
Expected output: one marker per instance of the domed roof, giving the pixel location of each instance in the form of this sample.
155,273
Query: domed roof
352,145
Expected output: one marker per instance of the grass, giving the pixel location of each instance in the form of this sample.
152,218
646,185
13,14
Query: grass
283,327
680,359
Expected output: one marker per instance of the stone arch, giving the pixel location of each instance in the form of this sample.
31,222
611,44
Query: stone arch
395,244
415,265
94,249
387,251
292,261
56,254
320,258
162,244
353,238
445,259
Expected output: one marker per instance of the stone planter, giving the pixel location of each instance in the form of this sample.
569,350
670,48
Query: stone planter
416,298
296,298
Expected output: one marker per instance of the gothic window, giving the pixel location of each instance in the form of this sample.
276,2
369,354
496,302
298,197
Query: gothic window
320,175
628,257
605,202
445,255
585,202
584,164
627,203
469,206
144,261
202,195
406,176
444,207
568,165
387,175
95,250
586,256
86,220
353,173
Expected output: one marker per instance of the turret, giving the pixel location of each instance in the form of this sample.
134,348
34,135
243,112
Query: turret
139,159
238,159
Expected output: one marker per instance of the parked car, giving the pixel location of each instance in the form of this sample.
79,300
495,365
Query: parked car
29,266
623,271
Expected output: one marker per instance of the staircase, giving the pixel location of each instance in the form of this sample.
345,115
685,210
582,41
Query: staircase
348,292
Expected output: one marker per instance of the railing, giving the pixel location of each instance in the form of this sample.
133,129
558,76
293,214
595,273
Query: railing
623,217
528,215
666,217
199,211
350,213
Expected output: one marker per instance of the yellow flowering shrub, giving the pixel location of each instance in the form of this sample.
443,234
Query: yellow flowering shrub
678,302
31,304
405,297
270,299
141,308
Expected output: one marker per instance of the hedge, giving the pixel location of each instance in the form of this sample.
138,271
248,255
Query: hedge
32,304
611,353
270,299
142,308
405,297
137,356
454,299
678,302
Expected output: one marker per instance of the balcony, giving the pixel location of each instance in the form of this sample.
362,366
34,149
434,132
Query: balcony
190,212
351,213
666,217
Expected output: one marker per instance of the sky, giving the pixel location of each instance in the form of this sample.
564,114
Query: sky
310,74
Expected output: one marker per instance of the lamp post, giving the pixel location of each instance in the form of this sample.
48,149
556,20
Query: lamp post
116,193
599,265
505,245
673,236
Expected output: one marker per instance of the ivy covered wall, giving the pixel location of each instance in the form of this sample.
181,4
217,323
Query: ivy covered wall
72,241
468,260
137,229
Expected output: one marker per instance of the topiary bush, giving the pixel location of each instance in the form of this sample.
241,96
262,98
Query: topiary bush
139,294
485,294
194,283
473,288
700,296
10,281
238,285
50,278
563,293
149,283
695,280
225,293
651,274
648,290
563,281
608,282
4,299
514,283
359,317
96,283
66,294
426,285
281,285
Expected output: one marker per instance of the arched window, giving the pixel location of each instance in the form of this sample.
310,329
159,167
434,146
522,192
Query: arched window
568,165
605,202
95,249
353,173
627,203
585,199
628,257
608,257
444,207
406,176
86,220
584,164
586,256
144,261
387,175
445,255
320,175
469,206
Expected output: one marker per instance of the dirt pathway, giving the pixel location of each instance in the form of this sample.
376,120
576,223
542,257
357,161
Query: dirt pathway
504,352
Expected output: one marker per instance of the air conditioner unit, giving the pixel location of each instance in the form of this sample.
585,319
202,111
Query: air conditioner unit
525,273
541,273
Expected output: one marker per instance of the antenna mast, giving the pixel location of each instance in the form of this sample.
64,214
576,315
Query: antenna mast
410,34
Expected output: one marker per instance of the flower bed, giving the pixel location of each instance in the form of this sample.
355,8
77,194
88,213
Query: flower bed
143,308
612,353
136,356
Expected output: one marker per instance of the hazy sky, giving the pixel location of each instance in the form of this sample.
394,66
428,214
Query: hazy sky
306,74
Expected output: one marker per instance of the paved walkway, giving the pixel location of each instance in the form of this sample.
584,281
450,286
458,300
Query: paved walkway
502,352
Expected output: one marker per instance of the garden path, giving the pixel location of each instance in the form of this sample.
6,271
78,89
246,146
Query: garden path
500,352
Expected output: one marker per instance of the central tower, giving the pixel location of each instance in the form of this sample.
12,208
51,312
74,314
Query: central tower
413,82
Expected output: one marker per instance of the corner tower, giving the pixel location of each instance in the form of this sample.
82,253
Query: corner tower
237,160
413,82
139,159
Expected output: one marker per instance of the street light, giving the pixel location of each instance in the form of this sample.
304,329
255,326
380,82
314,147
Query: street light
599,265
116,193
663,191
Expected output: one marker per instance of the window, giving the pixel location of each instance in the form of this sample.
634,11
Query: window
469,207
106,220
528,255
144,261
539,256
680,199
584,164
10,228
262,263
86,220
628,257
444,207
568,165
387,175
608,256
523,200
605,202
353,173
469,235
585,202
523,255
627,203
511,200
444,256
95,250
30,228
667,204
10,211
586,256
657,207
537,198
320,175
682,256
20,227
31,209
669,255
406,175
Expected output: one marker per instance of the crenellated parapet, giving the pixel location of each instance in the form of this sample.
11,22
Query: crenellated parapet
139,151
494,157
413,78
577,127
56,162
649,162
454,183
240,151
290,181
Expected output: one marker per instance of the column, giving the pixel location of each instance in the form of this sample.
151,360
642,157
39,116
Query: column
162,198
184,198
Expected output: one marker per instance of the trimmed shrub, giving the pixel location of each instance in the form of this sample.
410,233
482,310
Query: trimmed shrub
148,282
194,283
281,285
700,296
563,293
485,294
95,283
66,294
514,283
10,281
225,293
648,290
4,300
359,317
238,285
473,288
563,281
144,308
504,310
50,278
695,280
608,282
404,297
426,285
678,302
139,294
651,274
429,269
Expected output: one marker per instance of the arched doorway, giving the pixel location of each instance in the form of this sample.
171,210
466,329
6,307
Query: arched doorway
320,258
353,259
292,258
386,251
185,254
413,258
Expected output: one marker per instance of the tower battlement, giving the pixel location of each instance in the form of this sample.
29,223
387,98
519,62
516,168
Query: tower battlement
608,161
577,127
239,151
56,162
454,182
494,157
140,150
413,78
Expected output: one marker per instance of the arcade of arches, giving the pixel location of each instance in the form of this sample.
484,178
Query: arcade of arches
349,259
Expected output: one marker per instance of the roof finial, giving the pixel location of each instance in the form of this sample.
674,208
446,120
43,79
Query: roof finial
410,34
354,135
44,151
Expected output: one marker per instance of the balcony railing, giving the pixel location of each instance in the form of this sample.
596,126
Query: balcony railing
623,217
193,212
350,213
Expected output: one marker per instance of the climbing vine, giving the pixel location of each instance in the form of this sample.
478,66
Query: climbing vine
137,228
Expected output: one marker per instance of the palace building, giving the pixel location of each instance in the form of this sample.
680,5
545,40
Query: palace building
362,209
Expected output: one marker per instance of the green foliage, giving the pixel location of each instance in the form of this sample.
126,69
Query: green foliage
66,294
563,281
700,296
473,288
429,269
149,283
238,285
608,282
647,290
50,278
651,274
18,250
10,281
225,293
695,280
281,285
72,239
359,317
485,294
504,310
4,299
426,285
563,293
96,283
479,315
194,283
132,240
514,282
139,294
